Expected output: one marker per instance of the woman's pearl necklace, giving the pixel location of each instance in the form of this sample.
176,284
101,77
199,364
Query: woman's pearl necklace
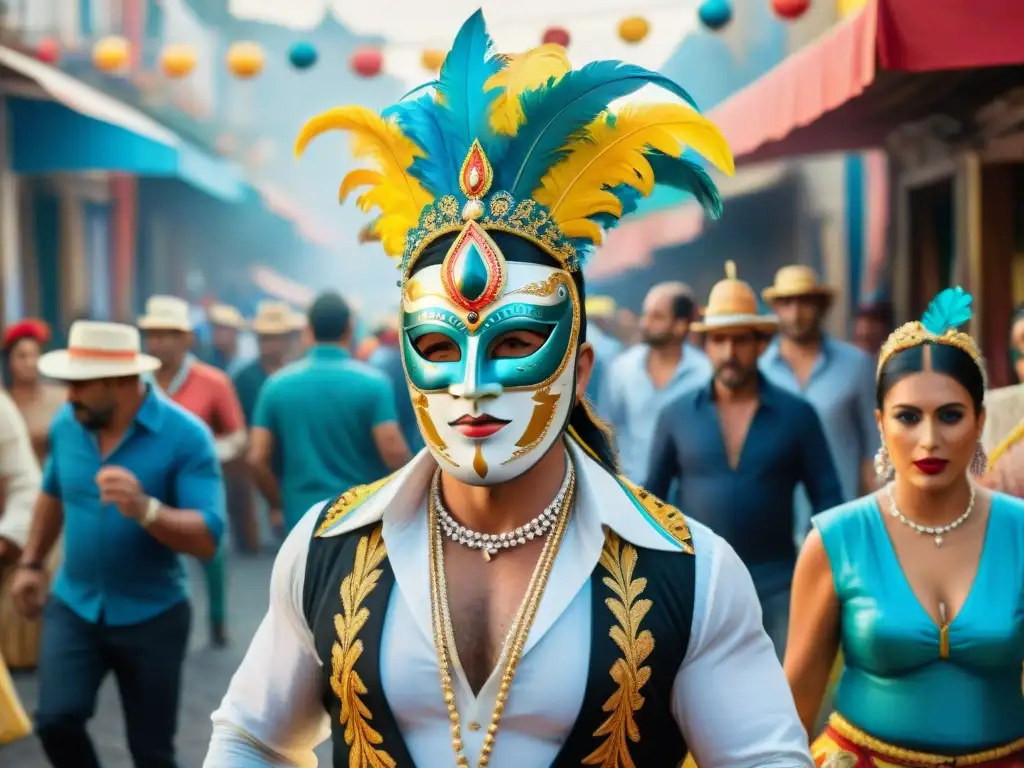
938,532
490,543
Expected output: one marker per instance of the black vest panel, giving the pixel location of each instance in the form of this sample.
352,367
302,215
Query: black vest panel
642,609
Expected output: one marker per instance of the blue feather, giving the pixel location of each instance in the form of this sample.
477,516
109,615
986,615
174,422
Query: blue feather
630,199
438,171
467,106
558,111
947,311
687,176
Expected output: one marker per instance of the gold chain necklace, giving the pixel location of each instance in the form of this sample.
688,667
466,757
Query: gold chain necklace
515,641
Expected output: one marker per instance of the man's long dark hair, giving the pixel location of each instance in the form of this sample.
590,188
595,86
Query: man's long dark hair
584,426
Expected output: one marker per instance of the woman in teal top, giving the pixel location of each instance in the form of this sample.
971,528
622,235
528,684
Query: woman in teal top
920,584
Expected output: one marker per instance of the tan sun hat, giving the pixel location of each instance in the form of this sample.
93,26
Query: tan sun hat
796,280
166,313
273,318
299,321
733,305
225,316
601,307
98,351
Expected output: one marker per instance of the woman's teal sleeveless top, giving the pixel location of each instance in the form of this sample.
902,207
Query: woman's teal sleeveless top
896,686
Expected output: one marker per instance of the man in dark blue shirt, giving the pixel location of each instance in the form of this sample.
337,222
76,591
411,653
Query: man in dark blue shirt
134,482
739,446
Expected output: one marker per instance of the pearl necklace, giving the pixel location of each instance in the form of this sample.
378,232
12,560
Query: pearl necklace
515,640
490,543
937,531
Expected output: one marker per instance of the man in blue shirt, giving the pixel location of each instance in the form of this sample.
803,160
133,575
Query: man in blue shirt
134,482
332,418
738,447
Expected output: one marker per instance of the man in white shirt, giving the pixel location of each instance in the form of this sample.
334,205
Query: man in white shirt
505,599
21,479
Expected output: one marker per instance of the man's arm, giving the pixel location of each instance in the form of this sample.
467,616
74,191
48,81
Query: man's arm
730,697
272,715
261,445
231,436
47,522
387,435
817,467
19,480
663,466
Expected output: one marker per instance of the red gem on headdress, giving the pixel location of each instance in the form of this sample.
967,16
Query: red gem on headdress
476,173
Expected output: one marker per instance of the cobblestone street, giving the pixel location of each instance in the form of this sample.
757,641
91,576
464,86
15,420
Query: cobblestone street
207,674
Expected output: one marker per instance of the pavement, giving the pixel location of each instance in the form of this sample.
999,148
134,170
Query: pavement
207,674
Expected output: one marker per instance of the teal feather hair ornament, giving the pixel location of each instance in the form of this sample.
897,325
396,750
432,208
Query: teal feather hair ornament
940,324
521,144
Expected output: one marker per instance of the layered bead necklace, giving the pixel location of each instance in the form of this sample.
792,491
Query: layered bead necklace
938,532
515,640
490,544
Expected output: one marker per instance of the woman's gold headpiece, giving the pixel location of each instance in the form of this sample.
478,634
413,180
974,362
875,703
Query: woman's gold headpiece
939,325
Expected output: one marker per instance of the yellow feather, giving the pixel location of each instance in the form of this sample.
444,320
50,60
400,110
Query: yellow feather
524,72
398,195
575,188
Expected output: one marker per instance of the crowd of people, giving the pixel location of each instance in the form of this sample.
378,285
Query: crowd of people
722,536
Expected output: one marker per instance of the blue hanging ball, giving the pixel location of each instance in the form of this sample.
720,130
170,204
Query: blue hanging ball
715,14
302,55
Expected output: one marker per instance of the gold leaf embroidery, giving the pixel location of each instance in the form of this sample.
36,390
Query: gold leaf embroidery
349,501
665,515
360,736
636,645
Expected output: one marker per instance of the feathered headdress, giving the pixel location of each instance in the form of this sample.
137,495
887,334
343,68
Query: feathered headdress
938,325
521,144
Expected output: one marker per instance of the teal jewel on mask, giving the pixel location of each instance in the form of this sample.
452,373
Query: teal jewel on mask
471,274
473,270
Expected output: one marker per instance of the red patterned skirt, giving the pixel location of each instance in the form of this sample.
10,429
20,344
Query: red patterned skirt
843,745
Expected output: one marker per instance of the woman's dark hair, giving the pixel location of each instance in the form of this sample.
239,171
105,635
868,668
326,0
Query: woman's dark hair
946,359
594,435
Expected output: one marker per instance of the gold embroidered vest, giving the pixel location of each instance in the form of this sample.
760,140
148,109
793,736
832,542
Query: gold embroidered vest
642,608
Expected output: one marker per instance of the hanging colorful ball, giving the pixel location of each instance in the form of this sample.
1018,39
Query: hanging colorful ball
111,54
303,55
556,35
367,62
715,14
432,59
790,9
245,60
177,60
48,51
634,29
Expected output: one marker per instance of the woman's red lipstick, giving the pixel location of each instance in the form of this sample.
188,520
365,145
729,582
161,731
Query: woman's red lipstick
478,427
931,466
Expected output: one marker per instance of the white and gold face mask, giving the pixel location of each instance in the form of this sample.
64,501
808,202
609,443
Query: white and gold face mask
488,405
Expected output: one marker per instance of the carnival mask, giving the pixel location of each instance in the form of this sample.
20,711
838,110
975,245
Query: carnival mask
488,411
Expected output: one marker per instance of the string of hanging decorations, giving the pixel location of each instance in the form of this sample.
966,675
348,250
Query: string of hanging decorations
246,59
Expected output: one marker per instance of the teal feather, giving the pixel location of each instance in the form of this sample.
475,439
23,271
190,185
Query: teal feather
438,170
687,176
947,311
561,110
466,110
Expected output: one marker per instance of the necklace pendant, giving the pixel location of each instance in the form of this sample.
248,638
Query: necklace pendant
938,541
486,555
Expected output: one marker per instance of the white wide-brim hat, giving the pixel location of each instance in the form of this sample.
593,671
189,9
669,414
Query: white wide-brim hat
98,351
166,313
759,323
274,318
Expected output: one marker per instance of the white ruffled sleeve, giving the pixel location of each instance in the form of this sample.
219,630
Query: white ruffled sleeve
273,715
730,698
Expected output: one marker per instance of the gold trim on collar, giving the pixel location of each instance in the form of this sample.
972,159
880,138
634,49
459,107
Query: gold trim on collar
636,645
670,519
348,502
360,736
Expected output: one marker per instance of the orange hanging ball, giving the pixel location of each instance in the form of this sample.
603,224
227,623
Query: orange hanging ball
178,60
634,29
245,59
111,54
432,59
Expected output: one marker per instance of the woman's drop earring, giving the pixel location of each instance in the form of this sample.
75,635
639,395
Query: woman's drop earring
883,465
979,462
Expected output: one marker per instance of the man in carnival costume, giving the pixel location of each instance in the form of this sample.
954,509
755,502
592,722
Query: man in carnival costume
506,598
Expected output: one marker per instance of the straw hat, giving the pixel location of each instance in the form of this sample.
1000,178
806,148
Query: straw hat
273,318
796,280
225,316
299,321
601,307
733,305
166,313
98,351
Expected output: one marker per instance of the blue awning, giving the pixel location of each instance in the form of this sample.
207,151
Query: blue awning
85,129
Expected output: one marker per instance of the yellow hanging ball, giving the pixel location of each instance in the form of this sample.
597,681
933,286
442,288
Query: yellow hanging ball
432,59
634,29
178,60
111,54
245,60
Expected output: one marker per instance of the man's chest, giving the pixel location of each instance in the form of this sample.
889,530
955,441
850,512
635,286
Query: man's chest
78,461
